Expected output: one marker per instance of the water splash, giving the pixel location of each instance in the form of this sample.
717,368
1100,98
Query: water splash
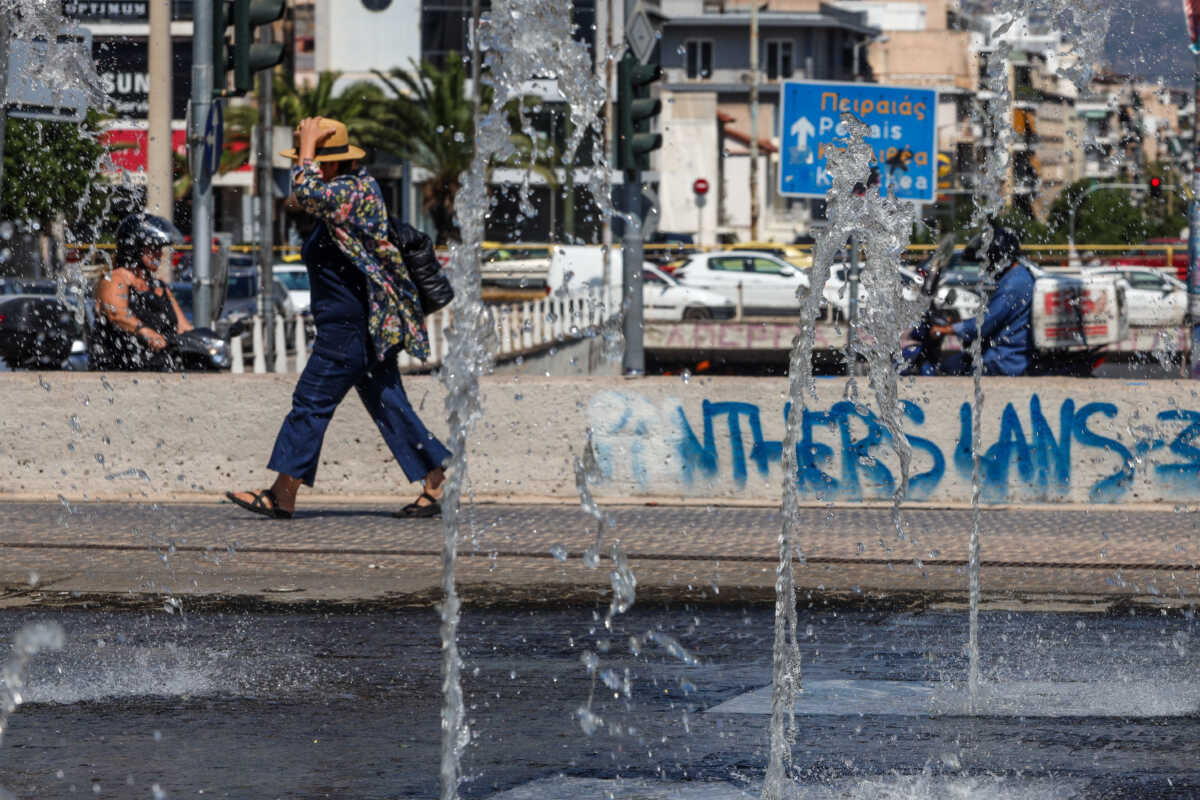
1084,26
31,639
850,166
519,41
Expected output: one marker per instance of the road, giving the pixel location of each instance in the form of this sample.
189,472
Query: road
512,553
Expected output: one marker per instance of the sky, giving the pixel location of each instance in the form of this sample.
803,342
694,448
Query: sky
1149,38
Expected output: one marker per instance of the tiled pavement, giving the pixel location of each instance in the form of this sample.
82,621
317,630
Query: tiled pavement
50,551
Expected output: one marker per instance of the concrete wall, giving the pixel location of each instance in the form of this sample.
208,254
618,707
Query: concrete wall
703,439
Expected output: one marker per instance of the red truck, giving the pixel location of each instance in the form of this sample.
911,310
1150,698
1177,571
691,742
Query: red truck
1155,254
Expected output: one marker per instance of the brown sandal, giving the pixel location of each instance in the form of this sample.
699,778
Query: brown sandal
415,509
259,507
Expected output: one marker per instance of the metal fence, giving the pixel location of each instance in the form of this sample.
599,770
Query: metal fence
521,329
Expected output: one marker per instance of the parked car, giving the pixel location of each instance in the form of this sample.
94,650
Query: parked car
953,303
1152,298
768,284
241,301
515,266
665,299
37,331
665,247
793,255
294,277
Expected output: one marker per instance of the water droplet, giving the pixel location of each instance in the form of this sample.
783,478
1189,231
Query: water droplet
100,458
685,376
75,426
42,383
560,552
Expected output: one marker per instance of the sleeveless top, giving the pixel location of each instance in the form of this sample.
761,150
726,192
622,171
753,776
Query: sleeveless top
115,349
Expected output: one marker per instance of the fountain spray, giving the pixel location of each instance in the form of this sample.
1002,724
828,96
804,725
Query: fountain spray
519,41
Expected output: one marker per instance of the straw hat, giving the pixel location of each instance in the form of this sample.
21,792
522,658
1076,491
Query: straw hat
335,148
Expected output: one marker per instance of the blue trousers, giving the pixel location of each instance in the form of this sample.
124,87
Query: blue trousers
341,359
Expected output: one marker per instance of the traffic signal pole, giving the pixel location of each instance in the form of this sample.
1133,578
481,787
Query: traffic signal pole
632,253
202,86
1193,273
634,111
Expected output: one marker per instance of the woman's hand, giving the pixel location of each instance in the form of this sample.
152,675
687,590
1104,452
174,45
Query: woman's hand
155,340
311,136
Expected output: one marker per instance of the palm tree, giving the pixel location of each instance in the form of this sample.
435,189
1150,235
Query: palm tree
319,100
429,121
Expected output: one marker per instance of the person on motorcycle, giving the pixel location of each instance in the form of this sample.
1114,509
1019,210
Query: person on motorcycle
1007,330
136,313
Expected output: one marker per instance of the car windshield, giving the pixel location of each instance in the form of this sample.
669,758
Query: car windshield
242,285
295,280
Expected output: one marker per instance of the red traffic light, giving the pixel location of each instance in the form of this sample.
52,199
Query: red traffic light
1155,183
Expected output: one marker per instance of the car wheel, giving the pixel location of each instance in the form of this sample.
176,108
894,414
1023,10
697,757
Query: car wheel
697,313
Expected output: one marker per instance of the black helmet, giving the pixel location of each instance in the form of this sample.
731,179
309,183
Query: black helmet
140,231
1004,249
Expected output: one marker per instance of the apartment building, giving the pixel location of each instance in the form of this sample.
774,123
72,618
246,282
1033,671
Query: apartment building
706,92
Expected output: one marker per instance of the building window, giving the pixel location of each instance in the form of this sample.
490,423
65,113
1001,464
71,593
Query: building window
780,59
699,58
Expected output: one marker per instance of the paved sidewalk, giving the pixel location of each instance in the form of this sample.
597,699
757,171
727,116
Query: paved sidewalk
125,552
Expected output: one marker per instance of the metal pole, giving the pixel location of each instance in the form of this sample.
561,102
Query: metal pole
160,199
634,362
1193,273
604,52
266,205
754,121
202,77
852,311
3,88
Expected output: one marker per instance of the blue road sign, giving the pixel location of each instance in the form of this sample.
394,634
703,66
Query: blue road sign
214,137
903,135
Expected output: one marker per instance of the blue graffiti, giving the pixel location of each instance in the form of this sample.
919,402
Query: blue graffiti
840,450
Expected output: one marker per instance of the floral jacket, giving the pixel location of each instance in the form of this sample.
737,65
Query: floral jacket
352,207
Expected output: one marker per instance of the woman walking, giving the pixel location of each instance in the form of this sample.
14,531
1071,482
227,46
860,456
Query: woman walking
365,308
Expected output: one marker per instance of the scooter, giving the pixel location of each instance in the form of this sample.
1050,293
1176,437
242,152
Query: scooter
924,354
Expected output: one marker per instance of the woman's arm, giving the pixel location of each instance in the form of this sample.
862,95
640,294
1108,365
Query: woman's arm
181,321
329,201
112,300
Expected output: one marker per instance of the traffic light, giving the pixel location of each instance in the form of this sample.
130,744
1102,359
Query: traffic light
634,110
222,52
245,57
1156,187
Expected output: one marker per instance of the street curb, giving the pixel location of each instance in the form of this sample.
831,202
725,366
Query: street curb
342,500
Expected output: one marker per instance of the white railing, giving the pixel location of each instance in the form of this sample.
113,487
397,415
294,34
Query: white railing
521,329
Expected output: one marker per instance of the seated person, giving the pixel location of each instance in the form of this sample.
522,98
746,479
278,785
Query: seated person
135,311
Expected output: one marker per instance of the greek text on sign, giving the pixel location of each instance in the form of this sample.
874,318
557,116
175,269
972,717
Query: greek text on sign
903,134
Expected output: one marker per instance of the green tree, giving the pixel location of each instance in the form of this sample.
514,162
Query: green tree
51,169
1106,216
351,106
429,120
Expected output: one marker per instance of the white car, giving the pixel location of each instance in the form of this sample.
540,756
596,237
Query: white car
768,284
664,299
1153,298
956,303
294,277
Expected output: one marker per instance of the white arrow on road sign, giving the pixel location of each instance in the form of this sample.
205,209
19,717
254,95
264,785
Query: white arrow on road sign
802,129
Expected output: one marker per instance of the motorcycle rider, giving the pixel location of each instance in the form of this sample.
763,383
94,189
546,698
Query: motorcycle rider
135,311
1007,330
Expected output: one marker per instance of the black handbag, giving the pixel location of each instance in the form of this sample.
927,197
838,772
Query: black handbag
433,287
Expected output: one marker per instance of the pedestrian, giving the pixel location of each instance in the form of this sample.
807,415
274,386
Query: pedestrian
136,314
366,310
